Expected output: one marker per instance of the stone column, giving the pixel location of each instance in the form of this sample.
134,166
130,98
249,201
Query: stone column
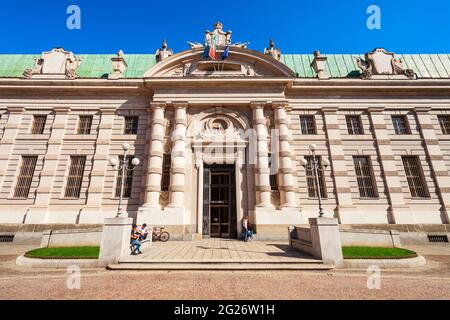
286,177
90,213
9,137
262,170
177,171
45,189
436,158
337,155
398,209
154,166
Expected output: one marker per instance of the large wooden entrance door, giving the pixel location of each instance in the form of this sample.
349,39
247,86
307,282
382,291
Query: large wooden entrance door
219,202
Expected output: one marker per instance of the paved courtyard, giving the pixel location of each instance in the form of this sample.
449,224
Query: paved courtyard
220,250
428,282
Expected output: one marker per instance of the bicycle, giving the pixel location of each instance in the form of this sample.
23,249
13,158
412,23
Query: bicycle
160,234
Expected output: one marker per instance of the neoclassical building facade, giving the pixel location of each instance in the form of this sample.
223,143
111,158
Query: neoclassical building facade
222,132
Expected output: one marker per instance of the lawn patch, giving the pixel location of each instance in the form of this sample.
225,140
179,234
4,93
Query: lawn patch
377,253
64,253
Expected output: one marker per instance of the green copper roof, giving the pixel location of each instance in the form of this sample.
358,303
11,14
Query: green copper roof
338,65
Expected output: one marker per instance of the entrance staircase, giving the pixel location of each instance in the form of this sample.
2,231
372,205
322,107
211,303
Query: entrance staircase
220,254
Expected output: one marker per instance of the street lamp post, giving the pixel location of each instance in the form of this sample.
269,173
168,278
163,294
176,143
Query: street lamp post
314,166
123,166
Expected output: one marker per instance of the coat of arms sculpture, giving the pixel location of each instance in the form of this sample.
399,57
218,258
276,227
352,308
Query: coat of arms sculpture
380,63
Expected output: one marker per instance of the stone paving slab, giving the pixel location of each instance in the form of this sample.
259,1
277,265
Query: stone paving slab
220,251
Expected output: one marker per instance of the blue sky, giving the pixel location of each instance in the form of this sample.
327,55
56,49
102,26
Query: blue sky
297,26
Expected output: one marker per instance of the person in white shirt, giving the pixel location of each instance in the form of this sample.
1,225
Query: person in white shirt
143,230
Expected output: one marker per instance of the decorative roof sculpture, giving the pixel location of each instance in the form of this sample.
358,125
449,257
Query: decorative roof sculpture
272,51
164,52
380,64
57,63
221,37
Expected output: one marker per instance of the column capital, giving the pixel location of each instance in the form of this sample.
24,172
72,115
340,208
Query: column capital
280,105
180,105
157,105
257,104
16,109
377,109
422,109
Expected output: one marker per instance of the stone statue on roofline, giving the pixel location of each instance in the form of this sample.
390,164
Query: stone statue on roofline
164,52
380,64
272,51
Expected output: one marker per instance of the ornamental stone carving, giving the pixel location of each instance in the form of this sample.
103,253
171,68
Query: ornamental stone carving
221,37
119,66
57,63
380,64
272,51
164,52
220,128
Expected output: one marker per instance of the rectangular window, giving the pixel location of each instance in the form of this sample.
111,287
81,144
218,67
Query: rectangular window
365,177
444,121
25,177
308,125
38,124
127,181
415,177
84,125
165,181
75,178
354,125
131,125
272,177
311,180
400,125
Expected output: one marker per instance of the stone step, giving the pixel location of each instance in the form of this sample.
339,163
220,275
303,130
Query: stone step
220,266
218,261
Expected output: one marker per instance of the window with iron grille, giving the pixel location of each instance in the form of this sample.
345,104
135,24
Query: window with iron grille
444,121
364,176
165,181
75,177
38,124
308,125
84,125
25,178
272,177
131,125
354,125
400,125
128,179
415,177
311,180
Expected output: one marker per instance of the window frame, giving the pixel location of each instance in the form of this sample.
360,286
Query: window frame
310,128
350,125
134,128
404,118
74,174
444,122
165,176
26,173
310,176
38,128
128,180
80,128
412,178
363,177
